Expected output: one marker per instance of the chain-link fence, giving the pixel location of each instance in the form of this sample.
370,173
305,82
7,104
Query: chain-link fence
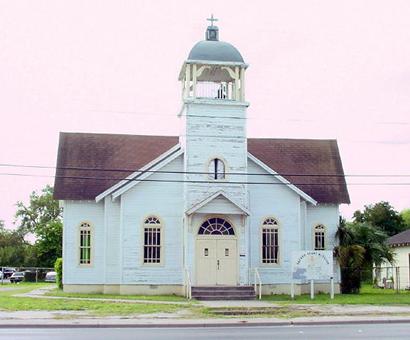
11,274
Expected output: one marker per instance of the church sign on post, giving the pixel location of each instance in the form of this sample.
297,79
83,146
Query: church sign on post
312,265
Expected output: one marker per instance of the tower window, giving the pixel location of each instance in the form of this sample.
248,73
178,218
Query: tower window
217,169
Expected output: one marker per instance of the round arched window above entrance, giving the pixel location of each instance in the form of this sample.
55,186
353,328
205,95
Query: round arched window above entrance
216,226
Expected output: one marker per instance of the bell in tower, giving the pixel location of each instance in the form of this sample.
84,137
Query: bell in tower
213,120
214,70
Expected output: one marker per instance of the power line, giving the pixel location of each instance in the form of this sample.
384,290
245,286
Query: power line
136,113
195,181
197,172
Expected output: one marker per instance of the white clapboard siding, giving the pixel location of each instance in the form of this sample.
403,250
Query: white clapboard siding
219,205
163,200
326,214
76,212
215,131
282,203
112,240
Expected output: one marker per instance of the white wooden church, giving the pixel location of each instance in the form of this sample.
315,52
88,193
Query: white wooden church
208,208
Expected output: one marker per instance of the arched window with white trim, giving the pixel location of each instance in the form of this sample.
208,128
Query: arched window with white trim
216,169
85,243
152,240
216,226
319,237
270,241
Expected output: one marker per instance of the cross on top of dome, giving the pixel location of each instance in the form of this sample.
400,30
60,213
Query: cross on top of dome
212,19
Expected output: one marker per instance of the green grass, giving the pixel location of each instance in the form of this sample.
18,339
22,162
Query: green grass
8,302
9,289
368,295
167,298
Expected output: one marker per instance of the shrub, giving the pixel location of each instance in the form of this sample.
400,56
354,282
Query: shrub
58,267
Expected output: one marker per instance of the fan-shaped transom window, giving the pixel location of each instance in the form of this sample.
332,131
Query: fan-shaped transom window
216,169
216,226
152,220
270,221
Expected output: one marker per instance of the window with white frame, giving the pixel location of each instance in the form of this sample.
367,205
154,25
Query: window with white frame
319,237
216,226
270,241
216,169
85,243
152,240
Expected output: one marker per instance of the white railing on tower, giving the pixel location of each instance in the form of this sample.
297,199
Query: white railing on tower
214,90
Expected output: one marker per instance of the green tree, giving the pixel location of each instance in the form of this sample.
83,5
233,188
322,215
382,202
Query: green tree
361,245
381,215
405,215
42,218
14,250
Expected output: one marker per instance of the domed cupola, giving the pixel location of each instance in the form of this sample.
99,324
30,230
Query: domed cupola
214,69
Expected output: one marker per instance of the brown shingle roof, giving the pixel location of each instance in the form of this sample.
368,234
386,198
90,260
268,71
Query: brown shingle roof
102,151
109,151
399,239
305,157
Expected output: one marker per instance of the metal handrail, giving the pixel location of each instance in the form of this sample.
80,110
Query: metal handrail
258,282
188,285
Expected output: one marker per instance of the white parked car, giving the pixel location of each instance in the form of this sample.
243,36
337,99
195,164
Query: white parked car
17,277
50,277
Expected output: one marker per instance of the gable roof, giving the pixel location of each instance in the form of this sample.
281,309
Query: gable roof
124,154
282,179
197,207
400,239
290,157
102,151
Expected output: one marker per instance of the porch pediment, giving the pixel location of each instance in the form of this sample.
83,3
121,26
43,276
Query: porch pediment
218,203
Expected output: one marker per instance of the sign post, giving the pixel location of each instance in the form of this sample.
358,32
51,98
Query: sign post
312,290
292,290
310,266
332,288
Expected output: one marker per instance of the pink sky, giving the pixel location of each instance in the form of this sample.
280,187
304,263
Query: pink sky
318,69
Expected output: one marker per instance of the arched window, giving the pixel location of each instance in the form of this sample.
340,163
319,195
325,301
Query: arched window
152,240
216,226
319,237
216,169
85,243
270,241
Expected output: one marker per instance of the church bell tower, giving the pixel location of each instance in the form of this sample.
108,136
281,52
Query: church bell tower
213,119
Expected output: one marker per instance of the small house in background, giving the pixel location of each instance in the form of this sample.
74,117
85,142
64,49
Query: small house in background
397,274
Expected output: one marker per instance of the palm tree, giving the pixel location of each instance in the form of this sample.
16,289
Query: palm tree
361,246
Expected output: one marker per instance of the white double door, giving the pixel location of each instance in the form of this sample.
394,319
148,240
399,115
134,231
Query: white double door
216,261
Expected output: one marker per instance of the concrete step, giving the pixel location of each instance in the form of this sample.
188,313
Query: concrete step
223,293
220,293
223,288
226,297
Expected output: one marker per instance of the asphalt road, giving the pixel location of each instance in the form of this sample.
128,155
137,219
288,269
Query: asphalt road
369,331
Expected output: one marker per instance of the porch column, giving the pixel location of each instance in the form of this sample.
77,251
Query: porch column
243,239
